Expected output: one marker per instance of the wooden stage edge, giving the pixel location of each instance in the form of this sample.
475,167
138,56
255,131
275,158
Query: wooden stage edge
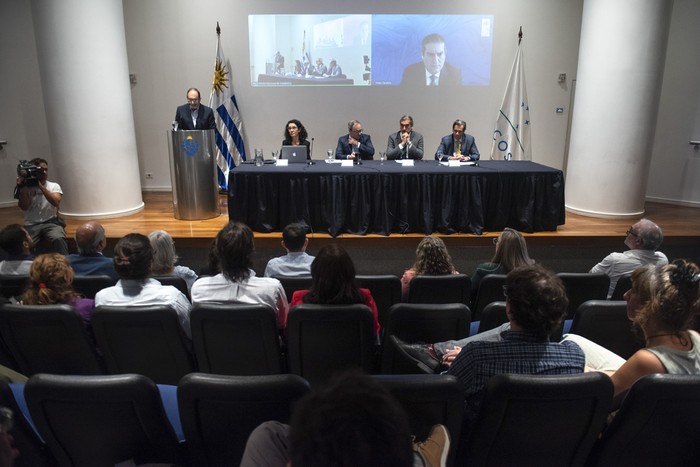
681,226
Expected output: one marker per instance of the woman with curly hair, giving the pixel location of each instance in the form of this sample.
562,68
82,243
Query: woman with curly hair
511,252
295,135
50,282
432,259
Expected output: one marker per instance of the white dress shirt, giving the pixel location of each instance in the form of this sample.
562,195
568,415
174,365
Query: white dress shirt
616,265
293,264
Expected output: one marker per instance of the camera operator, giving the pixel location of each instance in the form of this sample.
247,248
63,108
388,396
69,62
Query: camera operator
40,201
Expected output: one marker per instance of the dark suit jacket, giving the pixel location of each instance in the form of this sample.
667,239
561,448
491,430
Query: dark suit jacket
343,150
92,265
415,74
414,152
446,148
205,118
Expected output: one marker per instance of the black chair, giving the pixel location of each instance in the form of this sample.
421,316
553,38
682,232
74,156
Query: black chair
176,281
584,286
292,284
218,412
449,288
492,316
48,339
325,339
532,420
429,400
657,424
236,339
413,322
13,285
144,340
386,291
490,290
624,283
33,451
102,420
605,322
90,285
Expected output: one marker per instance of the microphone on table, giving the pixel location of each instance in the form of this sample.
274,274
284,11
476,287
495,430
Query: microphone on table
311,153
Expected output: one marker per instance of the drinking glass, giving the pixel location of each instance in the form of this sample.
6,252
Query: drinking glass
274,156
329,156
259,159
382,157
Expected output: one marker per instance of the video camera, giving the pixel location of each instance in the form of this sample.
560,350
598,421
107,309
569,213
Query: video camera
29,174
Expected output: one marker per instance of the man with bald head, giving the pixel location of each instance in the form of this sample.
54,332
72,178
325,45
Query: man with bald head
90,239
643,239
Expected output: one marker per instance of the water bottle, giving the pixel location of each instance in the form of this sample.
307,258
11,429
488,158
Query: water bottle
259,159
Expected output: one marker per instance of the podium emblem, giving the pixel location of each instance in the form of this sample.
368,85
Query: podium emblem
190,147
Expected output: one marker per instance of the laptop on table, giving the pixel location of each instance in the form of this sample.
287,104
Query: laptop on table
294,154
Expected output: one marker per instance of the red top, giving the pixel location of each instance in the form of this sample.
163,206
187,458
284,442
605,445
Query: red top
369,301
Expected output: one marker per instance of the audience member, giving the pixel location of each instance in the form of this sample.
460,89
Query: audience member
40,201
296,135
133,257
194,115
643,239
296,262
17,243
406,143
432,70
511,252
352,421
663,303
237,281
355,144
333,282
165,258
91,241
535,304
432,259
8,453
459,146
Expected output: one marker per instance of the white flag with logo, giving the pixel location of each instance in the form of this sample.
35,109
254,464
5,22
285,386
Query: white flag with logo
511,138
229,126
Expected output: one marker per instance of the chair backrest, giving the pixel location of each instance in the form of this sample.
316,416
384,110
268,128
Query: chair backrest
416,322
13,285
492,316
657,424
429,400
605,322
34,452
449,288
90,285
101,420
145,340
490,290
218,412
292,284
176,281
624,283
386,291
325,339
584,286
236,339
539,420
48,339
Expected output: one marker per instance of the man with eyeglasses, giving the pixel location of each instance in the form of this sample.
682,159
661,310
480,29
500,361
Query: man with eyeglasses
643,239
355,144
194,115
406,143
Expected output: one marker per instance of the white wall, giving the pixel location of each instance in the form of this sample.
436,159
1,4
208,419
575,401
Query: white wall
171,46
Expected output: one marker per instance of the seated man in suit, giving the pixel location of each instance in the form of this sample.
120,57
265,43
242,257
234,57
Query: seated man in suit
90,239
458,146
355,144
432,70
406,143
194,115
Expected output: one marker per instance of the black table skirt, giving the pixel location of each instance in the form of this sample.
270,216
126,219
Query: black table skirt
389,198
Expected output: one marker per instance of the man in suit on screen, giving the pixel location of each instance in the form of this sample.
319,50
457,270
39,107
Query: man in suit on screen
432,70
194,115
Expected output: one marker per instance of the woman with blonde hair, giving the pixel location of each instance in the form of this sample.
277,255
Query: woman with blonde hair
165,258
511,252
432,259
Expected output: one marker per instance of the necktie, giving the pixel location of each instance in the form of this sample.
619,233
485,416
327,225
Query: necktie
405,152
433,81
459,148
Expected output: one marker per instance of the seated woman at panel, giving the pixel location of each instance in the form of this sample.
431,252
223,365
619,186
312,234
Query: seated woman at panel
133,256
663,303
432,259
295,135
511,252
165,257
333,282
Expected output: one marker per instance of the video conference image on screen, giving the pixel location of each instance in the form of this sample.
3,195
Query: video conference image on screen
370,50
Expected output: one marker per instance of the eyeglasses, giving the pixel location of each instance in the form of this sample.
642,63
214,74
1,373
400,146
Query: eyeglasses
631,232
192,101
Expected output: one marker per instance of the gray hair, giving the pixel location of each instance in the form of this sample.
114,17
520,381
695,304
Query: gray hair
650,234
352,123
164,256
406,117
